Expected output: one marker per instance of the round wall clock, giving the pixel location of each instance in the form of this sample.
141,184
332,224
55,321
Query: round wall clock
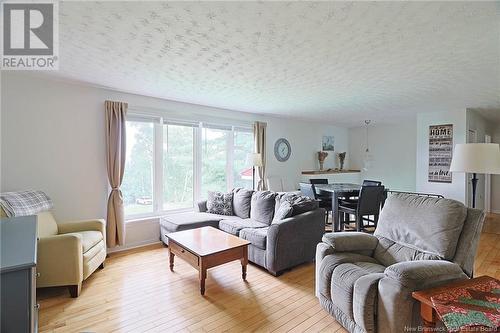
282,150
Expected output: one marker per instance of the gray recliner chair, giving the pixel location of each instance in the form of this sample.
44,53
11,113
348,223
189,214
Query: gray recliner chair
365,281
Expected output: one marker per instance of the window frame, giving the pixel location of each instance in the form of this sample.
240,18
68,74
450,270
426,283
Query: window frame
158,123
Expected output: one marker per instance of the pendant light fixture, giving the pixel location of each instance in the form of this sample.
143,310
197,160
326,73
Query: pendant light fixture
368,157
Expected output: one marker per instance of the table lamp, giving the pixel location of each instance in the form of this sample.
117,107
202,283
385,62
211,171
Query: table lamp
476,158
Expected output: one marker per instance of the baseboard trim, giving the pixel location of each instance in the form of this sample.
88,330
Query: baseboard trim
136,246
495,211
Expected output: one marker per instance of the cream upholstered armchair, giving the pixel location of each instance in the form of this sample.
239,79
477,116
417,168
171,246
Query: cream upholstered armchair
68,252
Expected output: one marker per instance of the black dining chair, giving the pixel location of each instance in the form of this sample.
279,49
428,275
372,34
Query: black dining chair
366,182
318,181
368,204
308,190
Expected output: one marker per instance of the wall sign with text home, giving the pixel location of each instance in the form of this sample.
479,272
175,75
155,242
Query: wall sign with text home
440,153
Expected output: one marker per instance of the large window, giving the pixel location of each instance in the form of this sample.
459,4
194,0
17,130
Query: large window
242,173
178,166
137,186
214,160
171,165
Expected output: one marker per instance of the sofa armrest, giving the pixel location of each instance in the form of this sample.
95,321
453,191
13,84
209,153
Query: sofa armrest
357,242
201,206
293,240
421,274
60,260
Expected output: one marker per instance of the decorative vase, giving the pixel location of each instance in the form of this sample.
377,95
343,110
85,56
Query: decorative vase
321,158
341,160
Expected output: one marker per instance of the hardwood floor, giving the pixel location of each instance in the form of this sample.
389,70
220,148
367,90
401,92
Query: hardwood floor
136,292
488,253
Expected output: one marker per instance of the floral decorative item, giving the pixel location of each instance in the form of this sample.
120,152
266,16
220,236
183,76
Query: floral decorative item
342,159
321,158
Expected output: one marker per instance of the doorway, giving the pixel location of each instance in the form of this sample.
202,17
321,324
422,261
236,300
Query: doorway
487,183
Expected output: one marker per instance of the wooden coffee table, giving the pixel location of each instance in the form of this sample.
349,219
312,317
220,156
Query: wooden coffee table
207,247
427,312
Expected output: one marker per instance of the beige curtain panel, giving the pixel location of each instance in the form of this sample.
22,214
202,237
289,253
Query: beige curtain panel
115,149
259,136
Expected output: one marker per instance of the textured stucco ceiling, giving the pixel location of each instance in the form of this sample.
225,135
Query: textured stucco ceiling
340,62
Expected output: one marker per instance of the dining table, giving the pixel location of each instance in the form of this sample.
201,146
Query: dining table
336,191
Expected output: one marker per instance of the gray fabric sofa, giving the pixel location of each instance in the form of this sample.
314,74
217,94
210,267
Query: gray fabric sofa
365,281
276,244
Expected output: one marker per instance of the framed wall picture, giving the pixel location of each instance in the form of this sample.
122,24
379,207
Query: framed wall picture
440,153
328,143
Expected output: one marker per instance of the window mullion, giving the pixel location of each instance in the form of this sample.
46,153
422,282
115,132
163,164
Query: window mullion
158,167
230,160
197,152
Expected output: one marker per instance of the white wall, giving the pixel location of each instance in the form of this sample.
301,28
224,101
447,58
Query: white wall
495,179
394,151
52,138
481,126
457,189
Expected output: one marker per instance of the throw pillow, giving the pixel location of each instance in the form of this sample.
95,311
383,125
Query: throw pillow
220,203
241,202
299,203
285,210
263,206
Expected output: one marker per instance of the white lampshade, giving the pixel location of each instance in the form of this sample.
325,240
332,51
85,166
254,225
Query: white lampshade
476,158
254,159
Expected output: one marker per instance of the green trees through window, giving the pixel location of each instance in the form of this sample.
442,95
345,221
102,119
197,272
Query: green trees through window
137,185
178,167
216,154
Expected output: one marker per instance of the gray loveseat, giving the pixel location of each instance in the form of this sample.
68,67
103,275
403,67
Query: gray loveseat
276,244
365,281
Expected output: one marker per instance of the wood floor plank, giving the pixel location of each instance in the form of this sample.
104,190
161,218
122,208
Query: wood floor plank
136,292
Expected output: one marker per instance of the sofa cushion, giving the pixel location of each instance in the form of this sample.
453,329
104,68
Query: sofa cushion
426,225
234,226
190,220
47,225
365,301
89,238
300,204
256,236
220,203
242,199
262,209
330,262
285,210
343,285
388,253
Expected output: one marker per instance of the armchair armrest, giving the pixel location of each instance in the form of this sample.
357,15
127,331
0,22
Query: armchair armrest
87,225
201,206
60,260
357,242
420,274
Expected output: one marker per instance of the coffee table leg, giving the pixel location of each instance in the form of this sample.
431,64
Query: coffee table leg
171,260
244,263
428,317
203,276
